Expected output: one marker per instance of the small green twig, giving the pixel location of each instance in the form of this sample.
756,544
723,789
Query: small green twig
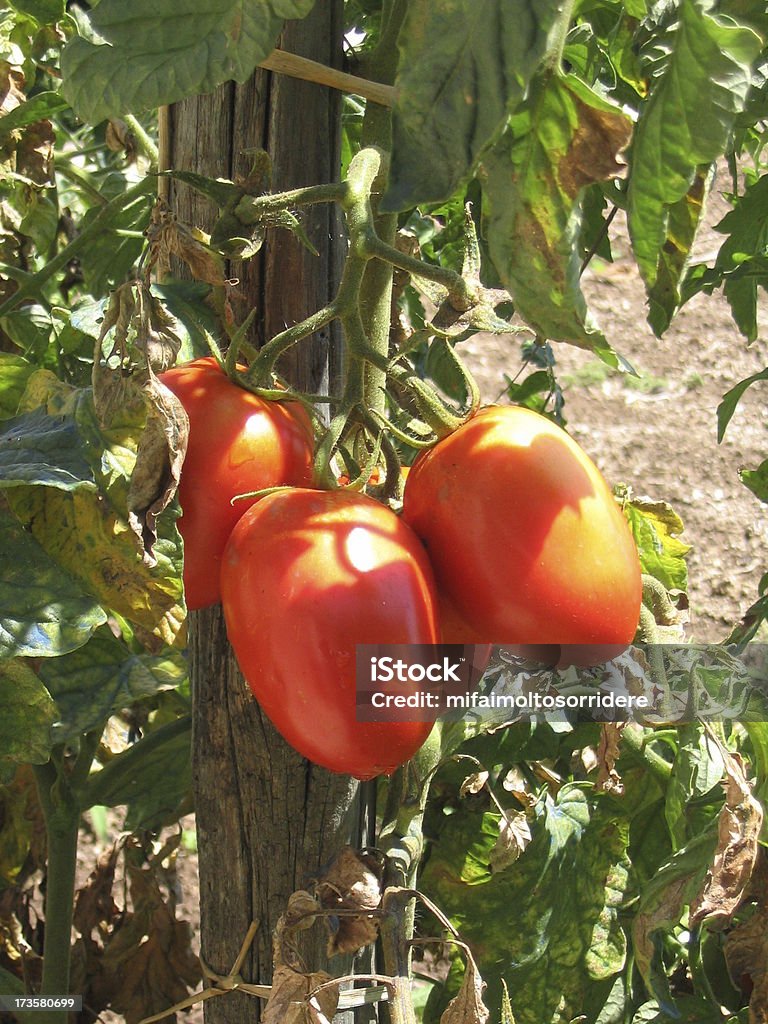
33,285
144,143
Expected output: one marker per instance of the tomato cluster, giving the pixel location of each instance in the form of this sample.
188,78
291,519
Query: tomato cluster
508,534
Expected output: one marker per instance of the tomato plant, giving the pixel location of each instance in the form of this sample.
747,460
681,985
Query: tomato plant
306,576
238,443
525,537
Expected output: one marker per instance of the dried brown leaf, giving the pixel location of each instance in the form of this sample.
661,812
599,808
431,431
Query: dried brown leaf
95,907
515,782
608,778
746,951
737,848
160,456
301,911
287,1003
351,883
148,962
473,783
467,1007
514,837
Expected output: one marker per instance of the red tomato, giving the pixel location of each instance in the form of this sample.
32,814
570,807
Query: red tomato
306,576
237,443
524,535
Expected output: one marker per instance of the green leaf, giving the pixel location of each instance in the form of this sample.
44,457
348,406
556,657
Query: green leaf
153,777
697,769
196,321
688,1010
36,448
27,713
15,371
564,139
108,258
41,106
664,296
757,480
441,367
154,52
84,528
566,890
656,528
44,11
43,611
731,399
686,122
747,228
662,901
102,677
29,328
463,65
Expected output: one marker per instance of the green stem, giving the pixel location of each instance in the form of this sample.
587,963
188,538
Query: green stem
144,143
252,209
261,368
555,55
33,285
62,820
460,295
58,789
636,739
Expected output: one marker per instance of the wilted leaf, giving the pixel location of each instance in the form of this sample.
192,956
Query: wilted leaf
301,911
564,896
738,832
473,783
95,907
27,712
142,962
350,884
463,66
468,1006
608,778
686,122
746,953
514,838
159,458
287,1003
44,612
156,52
563,139
656,528
83,529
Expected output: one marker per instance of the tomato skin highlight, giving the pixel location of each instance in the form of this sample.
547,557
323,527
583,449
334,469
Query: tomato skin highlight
526,540
306,576
238,443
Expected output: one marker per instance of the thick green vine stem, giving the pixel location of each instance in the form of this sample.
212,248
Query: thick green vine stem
360,414
58,787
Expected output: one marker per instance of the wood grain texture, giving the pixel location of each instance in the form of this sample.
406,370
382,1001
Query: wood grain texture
267,819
